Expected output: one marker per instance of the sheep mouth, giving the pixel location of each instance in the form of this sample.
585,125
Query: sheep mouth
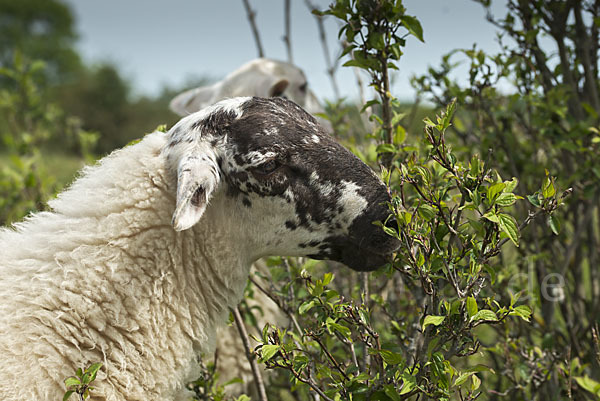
364,260
361,258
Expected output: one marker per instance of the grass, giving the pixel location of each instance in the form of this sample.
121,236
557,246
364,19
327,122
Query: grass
62,167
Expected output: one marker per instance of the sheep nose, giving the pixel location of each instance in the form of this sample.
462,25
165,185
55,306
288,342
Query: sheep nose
392,223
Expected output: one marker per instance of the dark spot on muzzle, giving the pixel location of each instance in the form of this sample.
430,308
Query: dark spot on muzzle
367,247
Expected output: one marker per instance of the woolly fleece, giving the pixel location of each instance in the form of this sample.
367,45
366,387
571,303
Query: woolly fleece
105,278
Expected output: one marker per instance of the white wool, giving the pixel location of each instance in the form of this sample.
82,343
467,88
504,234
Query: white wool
105,278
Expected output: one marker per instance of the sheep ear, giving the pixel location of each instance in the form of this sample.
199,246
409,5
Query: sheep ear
192,100
197,179
278,88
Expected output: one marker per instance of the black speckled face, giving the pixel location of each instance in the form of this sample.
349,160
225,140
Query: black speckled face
273,156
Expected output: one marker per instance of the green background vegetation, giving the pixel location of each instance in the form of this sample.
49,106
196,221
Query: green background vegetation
495,292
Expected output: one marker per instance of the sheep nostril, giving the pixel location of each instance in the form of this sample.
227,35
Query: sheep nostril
391,223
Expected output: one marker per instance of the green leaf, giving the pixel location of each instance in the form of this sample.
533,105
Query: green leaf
522,311
391,358
462,378
494,190
548,190
511,185
386,148
474,166
327,277
391,392
333,326
306,306
588,384
472,308
480,368
491,216
413,26
476,383
508,224
554,224
233,381
72,382
93,370
67,395
369,104
397,118
399,136
427,212
484,314
534,200
409,382
268,351
432,319
506,199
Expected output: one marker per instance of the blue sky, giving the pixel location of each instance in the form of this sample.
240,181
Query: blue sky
157,42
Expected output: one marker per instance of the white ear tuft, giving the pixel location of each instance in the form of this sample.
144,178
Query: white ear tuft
197,179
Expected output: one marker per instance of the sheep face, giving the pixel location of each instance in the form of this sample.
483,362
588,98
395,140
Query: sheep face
310,195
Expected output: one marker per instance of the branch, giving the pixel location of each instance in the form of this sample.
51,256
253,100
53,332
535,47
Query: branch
330,67
585,50
251,15
364,283
287,37
260,386
596,343
280,304
576,236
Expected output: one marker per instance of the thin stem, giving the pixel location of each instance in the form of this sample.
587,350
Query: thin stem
330,66
251,14
258,380
287,37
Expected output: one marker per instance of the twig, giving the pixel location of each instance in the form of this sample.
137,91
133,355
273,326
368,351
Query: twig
330,67
298,375
258,380
576,236
364,282
331,358
251,15
596,343
280,304
287,37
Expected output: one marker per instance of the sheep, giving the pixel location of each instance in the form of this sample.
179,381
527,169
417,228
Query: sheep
259,77
139,260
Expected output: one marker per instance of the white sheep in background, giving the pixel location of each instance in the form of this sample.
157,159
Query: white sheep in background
261,77
140,259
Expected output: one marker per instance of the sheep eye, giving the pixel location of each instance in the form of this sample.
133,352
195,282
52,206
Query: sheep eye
268,167
304,86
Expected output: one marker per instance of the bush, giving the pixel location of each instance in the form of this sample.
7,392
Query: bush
440,321
549,118
29,122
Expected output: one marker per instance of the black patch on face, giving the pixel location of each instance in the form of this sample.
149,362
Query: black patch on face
313,171
216,123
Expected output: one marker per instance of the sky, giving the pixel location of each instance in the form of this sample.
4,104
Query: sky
166,42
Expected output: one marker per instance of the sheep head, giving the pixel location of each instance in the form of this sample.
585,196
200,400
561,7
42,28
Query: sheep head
259,77
297,189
